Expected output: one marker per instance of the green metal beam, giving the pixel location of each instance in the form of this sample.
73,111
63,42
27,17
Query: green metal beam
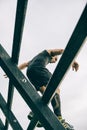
19,23
18,31
33,123
70,52
10,116
1,125
29,94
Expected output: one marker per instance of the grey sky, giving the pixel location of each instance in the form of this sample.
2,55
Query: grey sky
49,24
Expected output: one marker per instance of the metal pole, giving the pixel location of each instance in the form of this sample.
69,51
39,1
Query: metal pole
70,52
18,31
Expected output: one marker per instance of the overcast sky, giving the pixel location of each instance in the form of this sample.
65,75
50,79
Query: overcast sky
48,24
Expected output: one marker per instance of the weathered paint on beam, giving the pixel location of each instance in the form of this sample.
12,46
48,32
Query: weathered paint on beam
1,125
30,95
10,116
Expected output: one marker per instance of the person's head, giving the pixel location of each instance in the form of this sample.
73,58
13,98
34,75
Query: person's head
54,59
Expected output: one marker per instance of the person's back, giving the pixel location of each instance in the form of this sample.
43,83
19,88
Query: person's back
40,60
37,72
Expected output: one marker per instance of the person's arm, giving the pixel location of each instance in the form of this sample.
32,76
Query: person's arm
23,65
54,52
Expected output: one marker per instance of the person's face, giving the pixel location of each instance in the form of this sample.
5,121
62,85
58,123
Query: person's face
54,59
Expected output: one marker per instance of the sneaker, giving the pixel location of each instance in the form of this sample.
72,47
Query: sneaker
66,125
30,117
39,124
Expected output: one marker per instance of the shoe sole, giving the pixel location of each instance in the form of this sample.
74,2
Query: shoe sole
30,117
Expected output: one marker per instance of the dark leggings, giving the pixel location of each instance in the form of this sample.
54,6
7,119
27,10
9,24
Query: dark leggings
56,104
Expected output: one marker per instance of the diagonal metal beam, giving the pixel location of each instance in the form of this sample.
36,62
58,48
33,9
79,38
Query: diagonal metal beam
18,31
70,52
10,116
33,123
1,125
29,94
19,24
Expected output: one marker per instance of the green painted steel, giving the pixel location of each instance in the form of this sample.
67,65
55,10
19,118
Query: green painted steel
29,94
69,54
8,113
24,87
1,125
18,31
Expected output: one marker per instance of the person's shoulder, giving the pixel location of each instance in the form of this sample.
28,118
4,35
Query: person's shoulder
45,52
49,51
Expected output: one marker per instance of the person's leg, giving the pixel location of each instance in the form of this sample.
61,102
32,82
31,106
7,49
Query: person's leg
56,103
31,114
42,89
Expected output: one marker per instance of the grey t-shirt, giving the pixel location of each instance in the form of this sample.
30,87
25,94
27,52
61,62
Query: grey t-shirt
37,72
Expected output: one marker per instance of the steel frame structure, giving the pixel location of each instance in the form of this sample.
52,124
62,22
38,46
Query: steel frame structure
24,87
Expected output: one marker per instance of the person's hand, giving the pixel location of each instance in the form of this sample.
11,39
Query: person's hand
53,59
75,66
60,51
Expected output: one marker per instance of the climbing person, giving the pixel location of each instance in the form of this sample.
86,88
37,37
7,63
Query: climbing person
39,76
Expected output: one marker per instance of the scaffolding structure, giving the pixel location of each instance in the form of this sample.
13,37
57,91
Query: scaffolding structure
37,104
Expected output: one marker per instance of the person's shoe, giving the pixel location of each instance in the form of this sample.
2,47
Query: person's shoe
66,125
39,124
30,117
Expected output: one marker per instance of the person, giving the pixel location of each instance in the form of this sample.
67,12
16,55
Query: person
39,76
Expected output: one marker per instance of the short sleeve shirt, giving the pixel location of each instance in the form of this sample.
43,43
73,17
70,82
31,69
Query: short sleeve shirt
37,72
